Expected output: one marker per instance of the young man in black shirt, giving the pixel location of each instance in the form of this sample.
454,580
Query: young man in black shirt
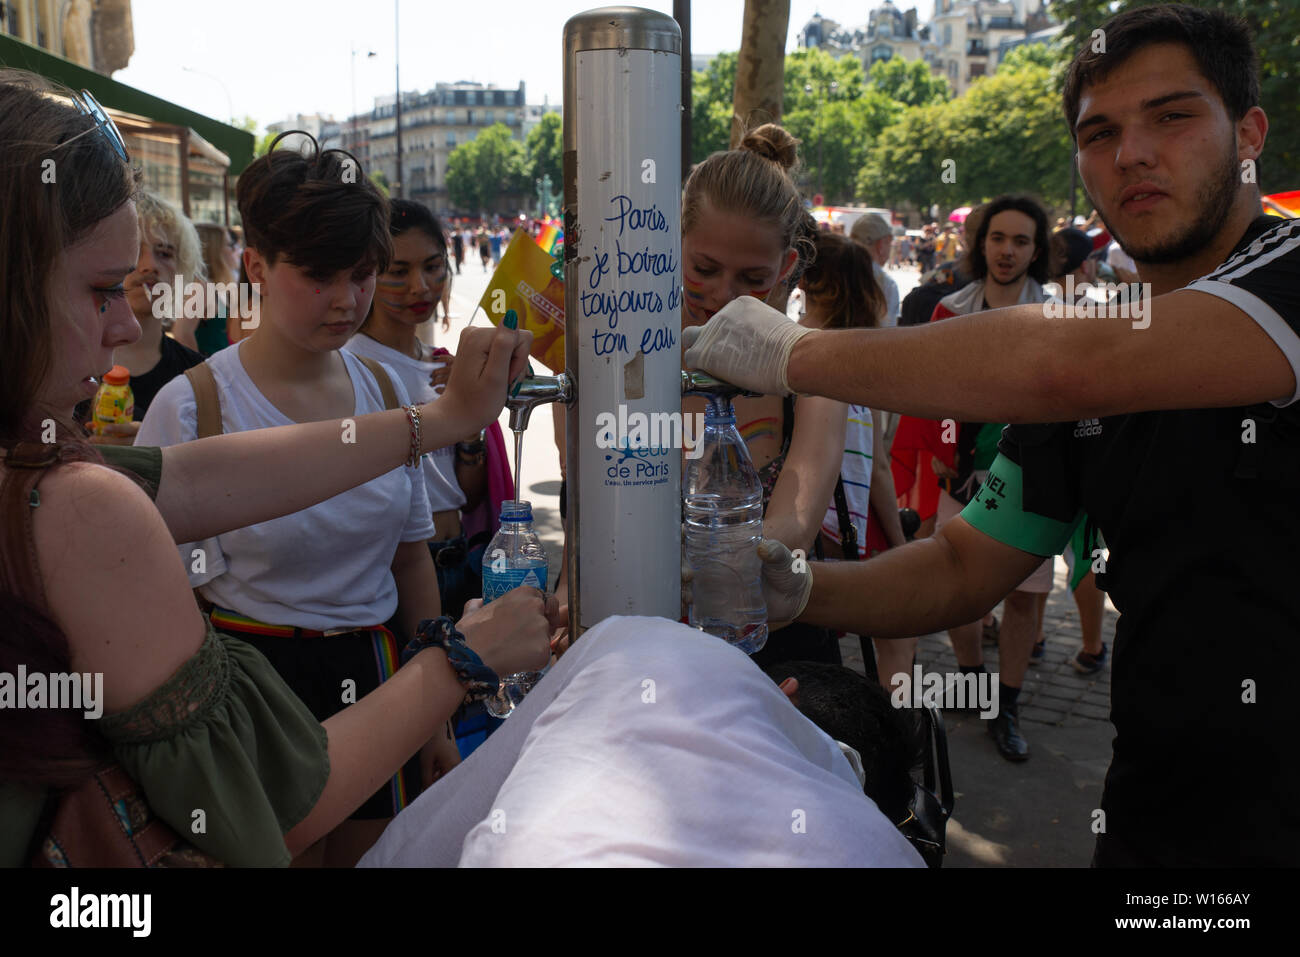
1178,434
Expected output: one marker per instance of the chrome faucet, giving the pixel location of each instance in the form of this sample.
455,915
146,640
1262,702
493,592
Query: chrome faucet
700,383
531,391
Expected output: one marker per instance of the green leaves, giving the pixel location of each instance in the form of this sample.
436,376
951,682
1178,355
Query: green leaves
482,172
545,151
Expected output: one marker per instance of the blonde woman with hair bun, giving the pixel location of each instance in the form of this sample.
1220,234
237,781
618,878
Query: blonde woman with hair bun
745,232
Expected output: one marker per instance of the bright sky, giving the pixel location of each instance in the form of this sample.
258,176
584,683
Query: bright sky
280,57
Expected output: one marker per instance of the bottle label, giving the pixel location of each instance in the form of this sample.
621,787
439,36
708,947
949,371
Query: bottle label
496,584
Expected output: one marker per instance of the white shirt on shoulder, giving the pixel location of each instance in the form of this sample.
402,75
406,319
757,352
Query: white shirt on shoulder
324,567
439,466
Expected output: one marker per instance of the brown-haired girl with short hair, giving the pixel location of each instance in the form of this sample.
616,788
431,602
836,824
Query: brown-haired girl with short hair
316,591
744,234
89,581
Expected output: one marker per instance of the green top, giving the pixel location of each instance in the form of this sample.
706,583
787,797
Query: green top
986,446
224,735
210,334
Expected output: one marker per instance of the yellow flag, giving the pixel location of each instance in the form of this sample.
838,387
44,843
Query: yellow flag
523,282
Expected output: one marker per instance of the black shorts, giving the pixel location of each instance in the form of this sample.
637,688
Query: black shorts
317,668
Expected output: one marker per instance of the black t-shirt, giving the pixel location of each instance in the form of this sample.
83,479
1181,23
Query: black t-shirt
176,358
1203,528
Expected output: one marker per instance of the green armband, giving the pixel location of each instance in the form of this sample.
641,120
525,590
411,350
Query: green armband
997,510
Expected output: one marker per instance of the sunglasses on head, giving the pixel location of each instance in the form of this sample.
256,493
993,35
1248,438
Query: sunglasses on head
86,104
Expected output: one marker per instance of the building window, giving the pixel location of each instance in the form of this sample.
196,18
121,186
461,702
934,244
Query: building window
947,34
451,139
882,51
469,117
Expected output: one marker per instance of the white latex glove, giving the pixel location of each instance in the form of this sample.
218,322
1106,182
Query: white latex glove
785,588
748,343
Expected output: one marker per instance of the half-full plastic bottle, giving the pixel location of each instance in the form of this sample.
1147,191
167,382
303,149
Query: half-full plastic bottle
722,511
514,557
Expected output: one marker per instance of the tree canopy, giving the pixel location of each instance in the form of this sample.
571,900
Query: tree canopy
487,168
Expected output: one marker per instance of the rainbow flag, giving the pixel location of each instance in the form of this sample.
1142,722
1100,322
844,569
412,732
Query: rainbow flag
1290,201
550,236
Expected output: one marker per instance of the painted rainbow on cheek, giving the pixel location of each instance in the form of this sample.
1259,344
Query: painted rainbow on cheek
391,283
394,304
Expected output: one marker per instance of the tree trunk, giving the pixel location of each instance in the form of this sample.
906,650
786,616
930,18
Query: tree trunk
760,70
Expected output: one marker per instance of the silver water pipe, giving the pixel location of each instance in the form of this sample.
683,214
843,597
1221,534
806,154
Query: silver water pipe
534,390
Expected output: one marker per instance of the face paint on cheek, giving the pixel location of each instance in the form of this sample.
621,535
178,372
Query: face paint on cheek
393,285
694,290
394,304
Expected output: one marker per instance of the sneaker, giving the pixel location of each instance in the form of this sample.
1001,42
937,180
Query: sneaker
1087,664
1036,655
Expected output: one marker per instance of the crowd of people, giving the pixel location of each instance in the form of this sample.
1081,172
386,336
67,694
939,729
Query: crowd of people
280,553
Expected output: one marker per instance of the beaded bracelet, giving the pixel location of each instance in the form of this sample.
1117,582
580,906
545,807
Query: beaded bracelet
413,417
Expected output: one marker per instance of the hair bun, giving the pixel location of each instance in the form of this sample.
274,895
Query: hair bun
773,142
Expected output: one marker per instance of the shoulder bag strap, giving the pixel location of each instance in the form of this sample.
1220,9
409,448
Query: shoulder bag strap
207,401
848,531
385,382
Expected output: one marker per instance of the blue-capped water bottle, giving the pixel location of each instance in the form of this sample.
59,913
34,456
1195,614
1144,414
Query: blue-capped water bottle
514,557
722,512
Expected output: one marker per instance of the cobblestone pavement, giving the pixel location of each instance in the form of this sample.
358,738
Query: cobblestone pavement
1038,813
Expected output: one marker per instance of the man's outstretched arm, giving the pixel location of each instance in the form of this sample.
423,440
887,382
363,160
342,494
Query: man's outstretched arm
925,586
952,578
1013,365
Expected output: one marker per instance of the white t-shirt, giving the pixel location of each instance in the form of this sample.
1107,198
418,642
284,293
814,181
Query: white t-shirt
323,567
1118,259
890,289
649,744
855,469
439,466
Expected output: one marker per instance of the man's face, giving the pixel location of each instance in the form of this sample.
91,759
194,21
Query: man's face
1158,154
1009,246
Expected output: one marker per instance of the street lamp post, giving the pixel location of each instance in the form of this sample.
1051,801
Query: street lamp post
397,58
230,106
352,120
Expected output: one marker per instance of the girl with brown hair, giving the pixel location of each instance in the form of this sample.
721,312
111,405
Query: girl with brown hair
89,580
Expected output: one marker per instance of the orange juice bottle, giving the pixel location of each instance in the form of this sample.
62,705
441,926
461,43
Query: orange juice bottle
114,403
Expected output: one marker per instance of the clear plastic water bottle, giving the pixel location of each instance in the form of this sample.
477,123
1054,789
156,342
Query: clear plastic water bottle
722,508
514,557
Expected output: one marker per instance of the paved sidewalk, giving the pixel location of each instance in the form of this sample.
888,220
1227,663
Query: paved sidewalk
1038,813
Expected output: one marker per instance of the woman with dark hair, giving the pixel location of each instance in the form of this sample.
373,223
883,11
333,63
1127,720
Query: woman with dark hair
406,294
88,576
